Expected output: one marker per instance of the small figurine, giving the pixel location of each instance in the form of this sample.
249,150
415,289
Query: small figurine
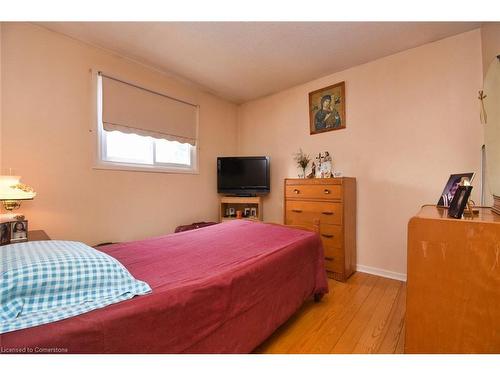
322,166
313,171
318,166
326,166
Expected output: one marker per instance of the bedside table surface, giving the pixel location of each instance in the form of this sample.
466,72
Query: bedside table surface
38,235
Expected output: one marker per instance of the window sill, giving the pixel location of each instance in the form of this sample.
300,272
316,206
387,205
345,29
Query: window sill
144,168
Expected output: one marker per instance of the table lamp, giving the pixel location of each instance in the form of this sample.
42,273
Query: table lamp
12,192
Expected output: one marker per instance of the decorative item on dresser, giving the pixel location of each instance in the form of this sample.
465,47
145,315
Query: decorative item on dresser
302,161
332,201
454,181
32,235
460,200
13,231
453,286
12,192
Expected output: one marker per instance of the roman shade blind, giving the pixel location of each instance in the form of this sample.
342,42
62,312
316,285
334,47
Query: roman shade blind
132,109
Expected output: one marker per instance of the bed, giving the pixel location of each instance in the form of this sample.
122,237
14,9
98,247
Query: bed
219,289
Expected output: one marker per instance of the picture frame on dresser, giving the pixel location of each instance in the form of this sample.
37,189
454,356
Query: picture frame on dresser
13,232
4,233
454,181
19,231
459,201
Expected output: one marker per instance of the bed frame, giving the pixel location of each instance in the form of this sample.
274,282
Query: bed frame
315,229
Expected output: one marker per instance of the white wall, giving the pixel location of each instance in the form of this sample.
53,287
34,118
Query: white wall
412,119
47,114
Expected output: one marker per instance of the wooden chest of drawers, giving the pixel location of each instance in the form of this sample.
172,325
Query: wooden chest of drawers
332,201
453,287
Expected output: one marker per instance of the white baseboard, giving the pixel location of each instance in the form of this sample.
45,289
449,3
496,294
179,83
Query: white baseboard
381,272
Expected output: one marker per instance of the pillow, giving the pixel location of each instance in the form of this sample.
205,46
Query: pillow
46,281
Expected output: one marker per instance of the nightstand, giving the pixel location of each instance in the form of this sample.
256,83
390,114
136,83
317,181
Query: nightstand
38,235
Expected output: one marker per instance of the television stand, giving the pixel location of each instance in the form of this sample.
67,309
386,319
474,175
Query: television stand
250,207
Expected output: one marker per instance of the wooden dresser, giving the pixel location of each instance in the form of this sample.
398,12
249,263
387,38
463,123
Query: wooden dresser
332,201
453,287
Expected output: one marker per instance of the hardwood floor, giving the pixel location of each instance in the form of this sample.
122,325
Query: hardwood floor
364,315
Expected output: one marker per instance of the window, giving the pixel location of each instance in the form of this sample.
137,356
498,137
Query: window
120,147
142,130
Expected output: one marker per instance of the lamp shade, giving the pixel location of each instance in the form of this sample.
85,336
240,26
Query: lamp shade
11,189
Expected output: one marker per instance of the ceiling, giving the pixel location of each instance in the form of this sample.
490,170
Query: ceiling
241,61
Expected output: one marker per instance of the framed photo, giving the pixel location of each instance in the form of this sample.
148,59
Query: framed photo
4,234
18,231
253,212
232,211
246,213
451,187
327,109
459,202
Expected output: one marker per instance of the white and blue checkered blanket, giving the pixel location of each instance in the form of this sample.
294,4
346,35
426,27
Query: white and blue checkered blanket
46,281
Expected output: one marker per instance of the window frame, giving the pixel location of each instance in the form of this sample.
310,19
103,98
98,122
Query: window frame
101,161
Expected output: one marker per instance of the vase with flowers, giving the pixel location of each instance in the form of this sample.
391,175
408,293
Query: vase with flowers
302,161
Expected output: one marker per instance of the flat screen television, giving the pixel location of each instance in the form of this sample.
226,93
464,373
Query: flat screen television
244,175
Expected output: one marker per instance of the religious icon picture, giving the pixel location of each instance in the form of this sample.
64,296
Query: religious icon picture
327,109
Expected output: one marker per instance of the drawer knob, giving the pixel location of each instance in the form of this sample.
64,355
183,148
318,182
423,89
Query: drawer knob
329,258
328,235
298,211
326,191
327,213
296,191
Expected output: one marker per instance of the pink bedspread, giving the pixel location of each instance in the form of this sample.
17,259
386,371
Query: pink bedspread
220,289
